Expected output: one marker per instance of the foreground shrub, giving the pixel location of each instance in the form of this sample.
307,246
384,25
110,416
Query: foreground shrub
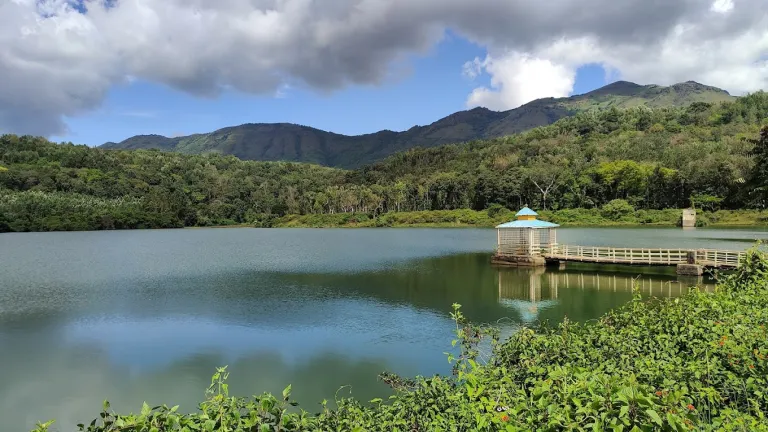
693,363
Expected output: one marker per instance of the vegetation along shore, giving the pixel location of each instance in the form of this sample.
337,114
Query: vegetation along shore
692,363
612,166
604,217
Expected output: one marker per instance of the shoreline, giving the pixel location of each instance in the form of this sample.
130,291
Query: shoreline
569,218
465,218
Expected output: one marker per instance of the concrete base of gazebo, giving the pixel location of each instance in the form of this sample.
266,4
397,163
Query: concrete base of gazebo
519,260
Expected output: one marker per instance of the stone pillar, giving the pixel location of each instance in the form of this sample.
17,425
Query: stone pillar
689,218
561,265
690,269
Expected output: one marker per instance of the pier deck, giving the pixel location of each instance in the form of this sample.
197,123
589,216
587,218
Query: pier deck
643,256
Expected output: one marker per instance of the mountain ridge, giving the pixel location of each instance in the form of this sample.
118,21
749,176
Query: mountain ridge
300,143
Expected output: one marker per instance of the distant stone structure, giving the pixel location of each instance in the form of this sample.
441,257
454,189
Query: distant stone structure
689,218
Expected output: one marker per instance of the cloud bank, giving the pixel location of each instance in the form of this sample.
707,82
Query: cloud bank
60,57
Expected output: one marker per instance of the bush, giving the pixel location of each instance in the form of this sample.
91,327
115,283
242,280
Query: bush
496,210
617,209
701,221
692,363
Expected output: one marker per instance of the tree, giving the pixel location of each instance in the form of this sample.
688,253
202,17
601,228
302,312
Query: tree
625,179
545,176
4,226
758,181
617,209
398,194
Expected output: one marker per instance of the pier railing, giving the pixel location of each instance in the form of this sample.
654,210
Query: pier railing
719,257
669,256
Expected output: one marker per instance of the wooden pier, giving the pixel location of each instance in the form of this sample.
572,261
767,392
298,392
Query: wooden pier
528,242
688,261
643,256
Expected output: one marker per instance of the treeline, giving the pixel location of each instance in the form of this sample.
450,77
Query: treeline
710,155
46,186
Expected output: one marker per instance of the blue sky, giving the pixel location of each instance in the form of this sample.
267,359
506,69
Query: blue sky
429,87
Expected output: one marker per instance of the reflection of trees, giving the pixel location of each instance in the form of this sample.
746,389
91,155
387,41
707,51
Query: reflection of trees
297,300
68,380
433,283
69,383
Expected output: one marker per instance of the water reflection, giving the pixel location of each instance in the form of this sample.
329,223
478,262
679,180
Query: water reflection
149,315
524,294
531,292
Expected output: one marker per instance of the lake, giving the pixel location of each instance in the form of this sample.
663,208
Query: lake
135,316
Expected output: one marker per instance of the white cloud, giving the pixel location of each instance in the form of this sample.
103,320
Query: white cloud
722,6
519,78
57,62
736,61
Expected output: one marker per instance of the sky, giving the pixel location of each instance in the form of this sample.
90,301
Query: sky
433,88
91,71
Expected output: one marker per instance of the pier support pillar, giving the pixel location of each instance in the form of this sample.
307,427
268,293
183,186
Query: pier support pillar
690,269
519,260
561,265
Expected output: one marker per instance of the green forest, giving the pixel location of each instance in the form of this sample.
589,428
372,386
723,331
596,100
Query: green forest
614,162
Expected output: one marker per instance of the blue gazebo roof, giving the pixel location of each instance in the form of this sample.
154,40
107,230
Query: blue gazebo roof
528,224
526,218
526,212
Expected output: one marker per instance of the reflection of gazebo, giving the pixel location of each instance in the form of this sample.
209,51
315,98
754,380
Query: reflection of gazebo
520,242
524,294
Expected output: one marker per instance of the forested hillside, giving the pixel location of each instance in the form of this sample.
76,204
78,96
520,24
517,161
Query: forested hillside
291,142
650,158
656,158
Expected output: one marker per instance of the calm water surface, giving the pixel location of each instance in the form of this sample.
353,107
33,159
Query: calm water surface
131,316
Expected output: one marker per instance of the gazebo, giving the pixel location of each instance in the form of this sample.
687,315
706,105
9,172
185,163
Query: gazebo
520,242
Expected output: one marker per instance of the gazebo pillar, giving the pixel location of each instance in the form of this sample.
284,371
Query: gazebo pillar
531,239
552,239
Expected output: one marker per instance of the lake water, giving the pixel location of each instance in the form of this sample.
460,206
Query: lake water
131,316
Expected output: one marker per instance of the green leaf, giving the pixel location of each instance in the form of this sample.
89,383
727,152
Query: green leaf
145,409
287,392
624,411
654,416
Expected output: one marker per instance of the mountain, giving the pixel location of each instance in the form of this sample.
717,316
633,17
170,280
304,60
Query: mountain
291,142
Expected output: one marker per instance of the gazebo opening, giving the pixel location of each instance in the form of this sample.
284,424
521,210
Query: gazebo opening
523,241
